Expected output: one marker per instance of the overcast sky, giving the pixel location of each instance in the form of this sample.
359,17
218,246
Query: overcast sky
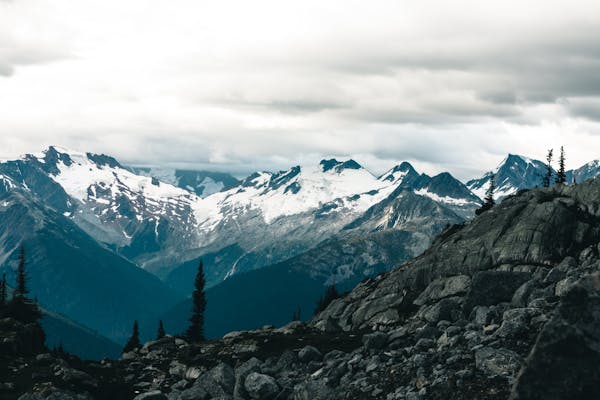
244,85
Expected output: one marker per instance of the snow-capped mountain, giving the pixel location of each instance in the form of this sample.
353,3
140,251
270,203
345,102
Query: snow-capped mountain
442,188
203,183
136,215
518,172
265,219
585,172
512,174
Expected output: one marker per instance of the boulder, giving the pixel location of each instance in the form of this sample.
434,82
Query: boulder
492,287
565,360
443,287
375,340
241,372
497,361
448,309
309,353
260,386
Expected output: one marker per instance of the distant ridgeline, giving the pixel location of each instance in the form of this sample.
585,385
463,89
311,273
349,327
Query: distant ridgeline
109,244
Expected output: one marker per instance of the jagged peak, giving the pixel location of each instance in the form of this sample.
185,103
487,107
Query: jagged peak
398,171
339,166
55,153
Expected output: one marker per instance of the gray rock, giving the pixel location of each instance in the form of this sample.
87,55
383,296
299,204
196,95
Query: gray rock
568,263
153,395
554,276
309,353
53,393
312,390
253,365
448,309
492,287
196,392
260,386
562,287
192,373
444,287
218,382
497,361
522,294
516,322
375,340
564,362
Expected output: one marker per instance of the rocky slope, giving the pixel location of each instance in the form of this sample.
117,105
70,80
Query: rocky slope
505,307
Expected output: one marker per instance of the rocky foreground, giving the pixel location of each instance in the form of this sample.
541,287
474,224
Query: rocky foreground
505,307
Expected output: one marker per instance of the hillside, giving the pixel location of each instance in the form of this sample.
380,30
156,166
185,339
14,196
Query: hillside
504,307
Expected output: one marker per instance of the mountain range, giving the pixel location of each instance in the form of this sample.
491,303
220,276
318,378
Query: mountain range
109,243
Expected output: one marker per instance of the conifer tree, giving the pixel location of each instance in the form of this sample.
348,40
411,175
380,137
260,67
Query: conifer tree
561,175
134,340
161,330
488,201
21,289
547,179
20,307
195,332
3,290
331,294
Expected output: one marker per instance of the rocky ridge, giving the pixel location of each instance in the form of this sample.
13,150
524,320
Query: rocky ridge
504,307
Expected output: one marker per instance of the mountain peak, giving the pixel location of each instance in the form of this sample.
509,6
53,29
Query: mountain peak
517,159
398,172
339,166
55,153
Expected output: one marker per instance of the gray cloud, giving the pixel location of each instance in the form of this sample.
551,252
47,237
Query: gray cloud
447,85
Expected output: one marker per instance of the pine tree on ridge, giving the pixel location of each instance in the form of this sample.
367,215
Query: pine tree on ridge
547,179
3,290
561,175
134,341
195,332
161,330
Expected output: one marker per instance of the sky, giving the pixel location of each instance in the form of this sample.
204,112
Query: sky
246,85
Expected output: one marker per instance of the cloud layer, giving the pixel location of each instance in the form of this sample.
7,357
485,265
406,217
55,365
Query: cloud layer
266,84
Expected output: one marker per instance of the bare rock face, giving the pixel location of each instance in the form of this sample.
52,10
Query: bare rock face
565,361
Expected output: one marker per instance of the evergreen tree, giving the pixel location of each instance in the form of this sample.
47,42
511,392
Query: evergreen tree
161,330
195,332
3,291
489,201
20,307
21,289
134,340
330,294
561,175
547,179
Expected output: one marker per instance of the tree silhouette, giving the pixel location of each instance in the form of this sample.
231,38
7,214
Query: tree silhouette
331,294
547,179
20,307
195,332
134,340
21,289
161,330
561,175
3,291
488,201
